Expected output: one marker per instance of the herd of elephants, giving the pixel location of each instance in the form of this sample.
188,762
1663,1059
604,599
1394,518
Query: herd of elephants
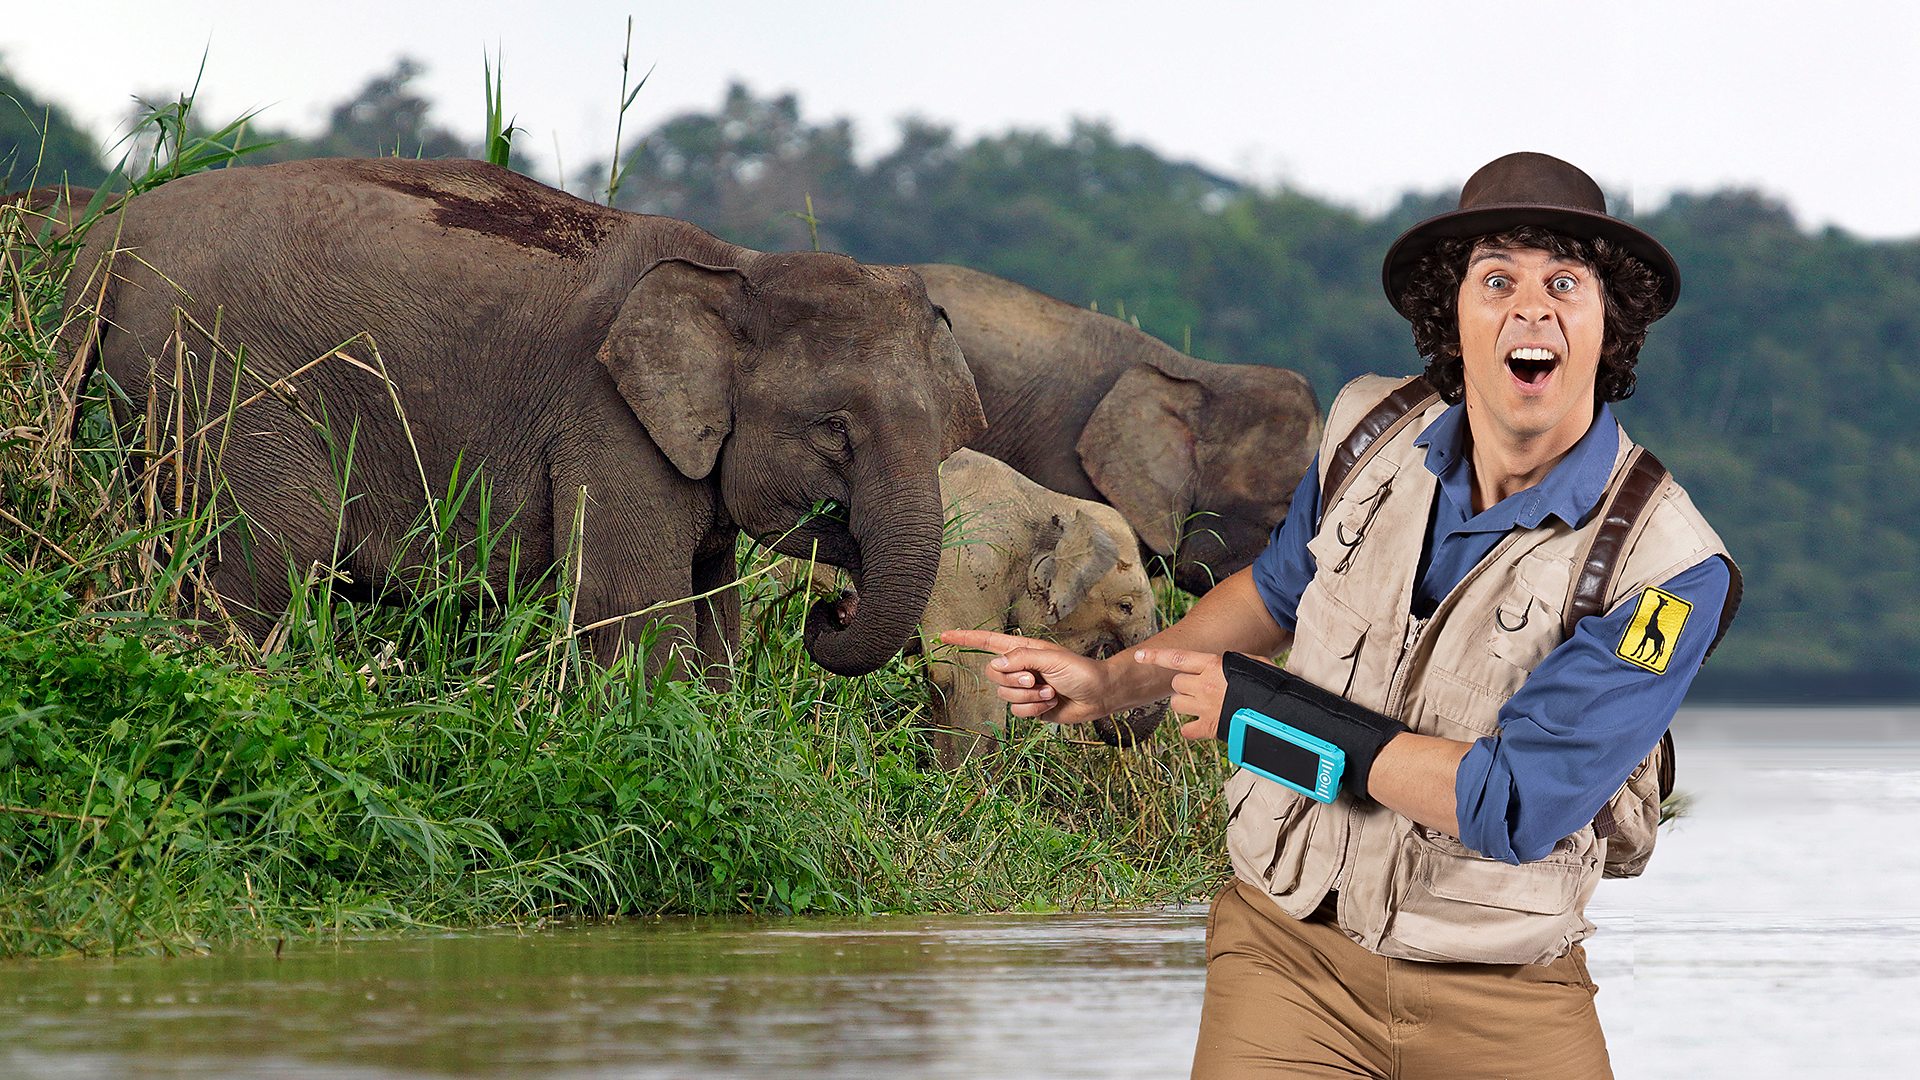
637,392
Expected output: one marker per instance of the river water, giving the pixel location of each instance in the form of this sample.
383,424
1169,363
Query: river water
1776,934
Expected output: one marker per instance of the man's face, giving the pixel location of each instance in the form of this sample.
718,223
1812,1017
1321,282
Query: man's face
1530,333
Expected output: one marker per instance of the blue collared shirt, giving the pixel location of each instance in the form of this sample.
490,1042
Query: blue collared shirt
1569,737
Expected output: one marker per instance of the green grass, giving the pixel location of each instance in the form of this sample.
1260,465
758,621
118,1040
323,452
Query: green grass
451,759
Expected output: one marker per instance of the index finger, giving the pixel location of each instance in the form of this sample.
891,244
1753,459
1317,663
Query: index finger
1193,663
990,640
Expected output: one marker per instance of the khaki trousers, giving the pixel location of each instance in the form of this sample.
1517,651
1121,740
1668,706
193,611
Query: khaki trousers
1291,998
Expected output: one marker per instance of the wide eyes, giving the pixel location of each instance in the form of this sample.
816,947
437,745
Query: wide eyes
1563,284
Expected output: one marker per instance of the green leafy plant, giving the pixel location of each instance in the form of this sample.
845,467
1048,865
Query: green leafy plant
498,148
813,223
176,145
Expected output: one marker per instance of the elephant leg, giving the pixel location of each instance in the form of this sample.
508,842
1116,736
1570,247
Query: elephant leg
967,711
669,634
276,527
248,585
632,580
717,633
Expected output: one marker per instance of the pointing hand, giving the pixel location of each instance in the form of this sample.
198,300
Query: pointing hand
1038,678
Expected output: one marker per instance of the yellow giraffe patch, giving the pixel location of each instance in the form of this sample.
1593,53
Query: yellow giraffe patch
1654,630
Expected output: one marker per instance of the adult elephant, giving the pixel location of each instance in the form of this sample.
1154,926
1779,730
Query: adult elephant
1201,458
634,390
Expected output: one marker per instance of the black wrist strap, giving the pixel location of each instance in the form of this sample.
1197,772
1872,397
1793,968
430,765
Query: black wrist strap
1290,699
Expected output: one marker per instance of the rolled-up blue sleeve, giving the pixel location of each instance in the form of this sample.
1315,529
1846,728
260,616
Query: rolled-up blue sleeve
1284,567
1579,725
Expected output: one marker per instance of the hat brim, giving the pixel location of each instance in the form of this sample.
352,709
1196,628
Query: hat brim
1406,252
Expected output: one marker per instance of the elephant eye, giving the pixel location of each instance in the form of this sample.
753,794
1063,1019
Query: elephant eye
839,434
1126,607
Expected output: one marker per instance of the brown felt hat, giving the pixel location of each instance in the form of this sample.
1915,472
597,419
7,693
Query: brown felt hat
1527,189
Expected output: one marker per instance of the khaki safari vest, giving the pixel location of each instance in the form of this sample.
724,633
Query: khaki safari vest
1406,890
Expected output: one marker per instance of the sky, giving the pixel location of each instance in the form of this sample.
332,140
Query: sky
1815,104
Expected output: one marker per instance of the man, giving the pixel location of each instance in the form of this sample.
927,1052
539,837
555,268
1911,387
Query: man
1426,921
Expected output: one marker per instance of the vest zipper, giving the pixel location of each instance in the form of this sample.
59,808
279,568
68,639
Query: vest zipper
1396,687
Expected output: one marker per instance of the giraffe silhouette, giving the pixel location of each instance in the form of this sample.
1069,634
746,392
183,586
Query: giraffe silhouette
1654,639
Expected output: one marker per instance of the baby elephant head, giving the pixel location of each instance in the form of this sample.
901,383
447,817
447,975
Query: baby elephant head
1087,586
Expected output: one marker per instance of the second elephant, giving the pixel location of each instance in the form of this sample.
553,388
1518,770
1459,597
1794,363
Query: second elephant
1201,457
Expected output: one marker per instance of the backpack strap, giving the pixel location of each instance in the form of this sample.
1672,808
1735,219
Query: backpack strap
1600,565
1374,431
1599,571
1599,568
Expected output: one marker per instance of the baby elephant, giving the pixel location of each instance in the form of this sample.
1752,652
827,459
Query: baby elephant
1029,561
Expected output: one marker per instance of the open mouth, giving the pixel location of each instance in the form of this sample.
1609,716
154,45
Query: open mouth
1531,365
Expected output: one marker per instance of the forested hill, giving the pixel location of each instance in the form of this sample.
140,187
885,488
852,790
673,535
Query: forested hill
1782,390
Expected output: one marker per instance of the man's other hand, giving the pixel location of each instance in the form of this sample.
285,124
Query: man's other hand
1199,686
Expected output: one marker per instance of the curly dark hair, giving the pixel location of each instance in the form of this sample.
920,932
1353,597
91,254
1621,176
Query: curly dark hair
1631,290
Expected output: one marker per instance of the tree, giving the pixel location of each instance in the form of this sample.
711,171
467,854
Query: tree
743,172
40,144
384,118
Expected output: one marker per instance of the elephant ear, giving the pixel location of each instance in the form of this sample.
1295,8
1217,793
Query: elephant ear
965,419
1138,449
1070,558
672,350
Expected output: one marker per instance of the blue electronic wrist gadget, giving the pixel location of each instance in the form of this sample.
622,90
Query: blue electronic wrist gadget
1284,754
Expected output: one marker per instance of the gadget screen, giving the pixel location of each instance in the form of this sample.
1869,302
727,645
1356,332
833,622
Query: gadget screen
1270,753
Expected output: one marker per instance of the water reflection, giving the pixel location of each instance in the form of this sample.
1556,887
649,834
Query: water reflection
1109,995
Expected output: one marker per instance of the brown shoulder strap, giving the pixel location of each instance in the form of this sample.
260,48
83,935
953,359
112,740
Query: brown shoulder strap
1373,431
1600,565
1594,575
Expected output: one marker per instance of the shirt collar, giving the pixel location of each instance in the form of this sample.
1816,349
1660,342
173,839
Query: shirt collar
1569,491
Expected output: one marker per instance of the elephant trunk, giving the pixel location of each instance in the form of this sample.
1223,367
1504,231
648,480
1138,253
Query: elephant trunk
897,527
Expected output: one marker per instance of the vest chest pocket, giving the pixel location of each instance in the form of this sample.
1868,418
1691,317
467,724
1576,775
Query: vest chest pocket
1504,632
1328,638
1526,623
1336,546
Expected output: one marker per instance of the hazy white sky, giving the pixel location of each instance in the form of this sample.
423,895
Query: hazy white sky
1814,102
